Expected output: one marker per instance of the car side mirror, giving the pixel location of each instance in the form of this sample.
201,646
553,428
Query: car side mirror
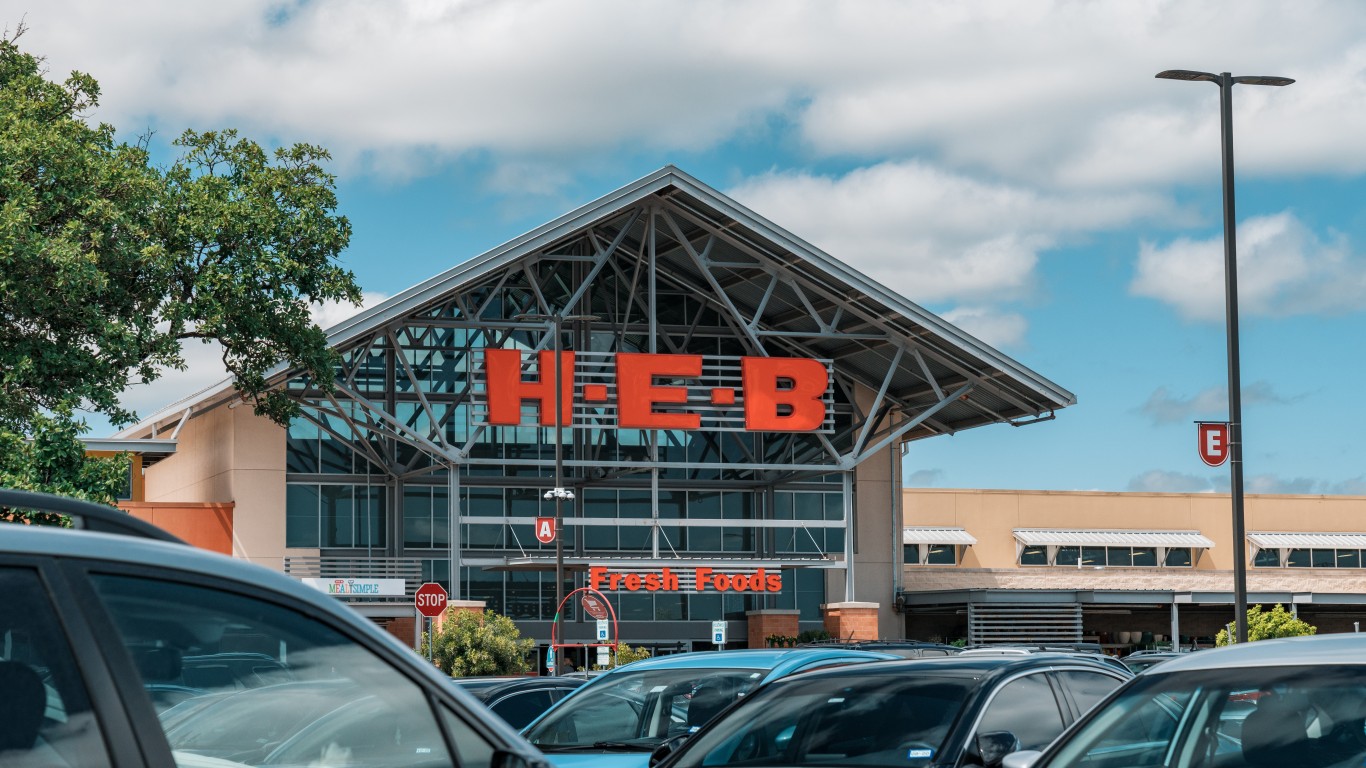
666,748
993,746
1025,758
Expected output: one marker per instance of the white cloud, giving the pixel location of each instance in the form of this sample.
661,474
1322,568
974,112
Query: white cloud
933,235
1164,407
999,329
1048,91
1283,269
1161,481
924,478
328,314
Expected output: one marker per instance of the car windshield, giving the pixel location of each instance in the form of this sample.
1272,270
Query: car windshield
1305,716
270,713
637,710
864,720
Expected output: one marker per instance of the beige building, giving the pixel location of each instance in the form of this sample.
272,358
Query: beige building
1123,569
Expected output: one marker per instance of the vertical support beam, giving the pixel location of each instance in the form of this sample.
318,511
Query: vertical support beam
1176,626
457,591
850,534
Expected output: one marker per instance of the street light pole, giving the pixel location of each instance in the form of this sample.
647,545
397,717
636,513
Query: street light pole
1226,81
559,493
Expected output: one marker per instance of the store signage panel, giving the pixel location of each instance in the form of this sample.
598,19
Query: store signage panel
699,579
359,587
660,391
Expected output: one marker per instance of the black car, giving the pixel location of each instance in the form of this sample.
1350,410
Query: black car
122,646
918,713
906,649
519,700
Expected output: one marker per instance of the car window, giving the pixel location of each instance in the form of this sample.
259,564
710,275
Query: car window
1307,716
45,714
1027,708
1086,688
520,708
880,721
280,688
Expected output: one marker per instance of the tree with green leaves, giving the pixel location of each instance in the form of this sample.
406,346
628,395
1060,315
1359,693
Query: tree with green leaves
1265,625
108,264
474,643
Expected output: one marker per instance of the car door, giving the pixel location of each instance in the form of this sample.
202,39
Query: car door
153,618
1026,705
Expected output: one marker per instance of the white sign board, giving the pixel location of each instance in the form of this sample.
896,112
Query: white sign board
360,587
603,658
603,630
718,633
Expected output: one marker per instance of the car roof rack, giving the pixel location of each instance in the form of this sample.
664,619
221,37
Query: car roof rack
86,515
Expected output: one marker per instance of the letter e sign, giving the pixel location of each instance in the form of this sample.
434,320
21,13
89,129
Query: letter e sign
545,529
1214,445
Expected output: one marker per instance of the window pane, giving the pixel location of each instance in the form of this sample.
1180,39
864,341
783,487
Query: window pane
942,554
1093,556
1349,558
1145,557
1178,557
338,516
910,554
271,686
1267,558
1118,556
47,709
417,517
301,515
1324,558
1299,558
1068,555
1034,556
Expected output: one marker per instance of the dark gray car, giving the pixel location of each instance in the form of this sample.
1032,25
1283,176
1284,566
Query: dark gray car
94,627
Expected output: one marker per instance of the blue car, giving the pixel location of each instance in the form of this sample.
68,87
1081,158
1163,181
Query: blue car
619,718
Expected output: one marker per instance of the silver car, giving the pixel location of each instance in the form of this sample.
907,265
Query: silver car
1297,702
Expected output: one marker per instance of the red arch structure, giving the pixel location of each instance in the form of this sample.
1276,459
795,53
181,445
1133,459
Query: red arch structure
556,645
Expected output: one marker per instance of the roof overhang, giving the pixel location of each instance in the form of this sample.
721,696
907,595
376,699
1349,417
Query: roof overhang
1263,540
923,535
1034,537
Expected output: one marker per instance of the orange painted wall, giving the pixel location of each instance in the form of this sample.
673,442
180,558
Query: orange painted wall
203,524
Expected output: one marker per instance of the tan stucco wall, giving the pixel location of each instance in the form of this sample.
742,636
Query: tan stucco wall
991,516
231,455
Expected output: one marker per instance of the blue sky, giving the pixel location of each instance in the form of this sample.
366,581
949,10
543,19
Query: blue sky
1013,166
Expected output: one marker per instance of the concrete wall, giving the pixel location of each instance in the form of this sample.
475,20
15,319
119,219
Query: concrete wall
231,455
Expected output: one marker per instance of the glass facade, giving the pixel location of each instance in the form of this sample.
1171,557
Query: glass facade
369,464
1114,557
1309,558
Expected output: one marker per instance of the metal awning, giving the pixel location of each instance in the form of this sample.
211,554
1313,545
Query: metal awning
1034,537
920,535
1298,540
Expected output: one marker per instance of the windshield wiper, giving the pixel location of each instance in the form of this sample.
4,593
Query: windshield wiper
613,746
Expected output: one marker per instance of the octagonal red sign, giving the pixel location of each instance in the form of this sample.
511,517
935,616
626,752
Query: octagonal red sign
430,599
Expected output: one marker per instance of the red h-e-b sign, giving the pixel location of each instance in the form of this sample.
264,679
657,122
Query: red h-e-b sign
430,599
1213,436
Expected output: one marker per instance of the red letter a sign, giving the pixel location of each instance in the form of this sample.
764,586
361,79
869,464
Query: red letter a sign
545,529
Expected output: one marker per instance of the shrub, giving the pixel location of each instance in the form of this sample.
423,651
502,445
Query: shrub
472,643
1278,622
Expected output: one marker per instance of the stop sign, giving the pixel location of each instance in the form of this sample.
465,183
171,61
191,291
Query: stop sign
430,599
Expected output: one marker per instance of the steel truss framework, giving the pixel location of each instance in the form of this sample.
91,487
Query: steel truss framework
666,273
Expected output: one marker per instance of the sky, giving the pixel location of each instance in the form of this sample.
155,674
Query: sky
1014,167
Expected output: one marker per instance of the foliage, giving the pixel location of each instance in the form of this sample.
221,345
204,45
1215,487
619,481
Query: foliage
624,654
1265,625
53,460
473,643
780,641
960,642
813,636
107,264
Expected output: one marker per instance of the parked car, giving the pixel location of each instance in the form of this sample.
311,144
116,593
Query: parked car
914,713
1083,650
1294,702
93,623
906,649
519,700
1141,660
620,717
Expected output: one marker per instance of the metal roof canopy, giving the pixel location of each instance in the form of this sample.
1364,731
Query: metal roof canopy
923,535
1263,540
1034,537
781,296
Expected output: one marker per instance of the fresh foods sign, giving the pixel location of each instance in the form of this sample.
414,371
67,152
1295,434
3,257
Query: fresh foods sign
699,579
651,391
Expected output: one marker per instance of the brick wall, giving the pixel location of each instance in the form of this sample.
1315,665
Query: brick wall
851,621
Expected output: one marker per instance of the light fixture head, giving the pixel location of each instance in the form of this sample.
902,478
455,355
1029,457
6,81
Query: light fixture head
1187,74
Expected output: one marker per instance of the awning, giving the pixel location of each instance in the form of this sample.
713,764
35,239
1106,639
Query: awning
918,535
1307,540
1034,537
